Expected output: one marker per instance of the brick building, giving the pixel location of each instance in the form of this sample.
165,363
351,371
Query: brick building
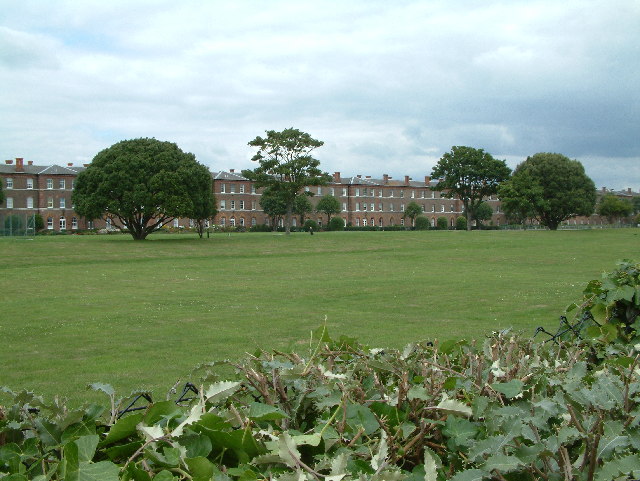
365,201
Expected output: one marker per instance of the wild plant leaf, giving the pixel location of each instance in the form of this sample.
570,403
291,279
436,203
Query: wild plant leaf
430,467
220,391
418,392
288,451
265,412
460,431
469,475
379,458
163,410
164,475
197,445
87,447
168,458
608,445
123,428
122,451
339,464
200,468
503,463
453,406
624,466
196,412
101,471
510,389
151,432
105,388
491,445
307,439
361,416
48,432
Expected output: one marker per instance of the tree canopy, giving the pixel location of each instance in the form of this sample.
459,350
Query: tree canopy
613,208
328,205
273,205
482,212
286,165
302,206
469,174
412,211
518,197
143,184
555,187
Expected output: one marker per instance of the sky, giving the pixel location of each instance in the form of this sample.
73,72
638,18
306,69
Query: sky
389,87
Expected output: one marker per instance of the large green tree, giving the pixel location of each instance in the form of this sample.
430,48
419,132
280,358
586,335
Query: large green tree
412,211
613,208
273,205
302,206
286,165
556,188
143,184
518,197
329,206
469,174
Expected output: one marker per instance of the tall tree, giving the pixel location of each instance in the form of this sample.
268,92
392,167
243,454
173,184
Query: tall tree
143,184
286,165
469,174
482,212
518,198
273,205
556,187
613,208
329,206
302,206
412,211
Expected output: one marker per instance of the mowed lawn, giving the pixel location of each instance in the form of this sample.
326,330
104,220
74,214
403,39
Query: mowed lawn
82,309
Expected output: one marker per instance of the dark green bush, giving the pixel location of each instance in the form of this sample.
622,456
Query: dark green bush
442,223
310,224
336,223
422,223
461,223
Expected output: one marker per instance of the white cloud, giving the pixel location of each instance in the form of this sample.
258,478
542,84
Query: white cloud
389,87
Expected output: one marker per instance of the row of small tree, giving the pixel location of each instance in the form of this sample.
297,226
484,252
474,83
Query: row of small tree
143,184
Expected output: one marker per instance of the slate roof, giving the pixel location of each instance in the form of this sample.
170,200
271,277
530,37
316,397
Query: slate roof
40,169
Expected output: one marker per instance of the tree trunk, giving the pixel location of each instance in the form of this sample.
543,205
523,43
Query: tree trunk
287,221
467,213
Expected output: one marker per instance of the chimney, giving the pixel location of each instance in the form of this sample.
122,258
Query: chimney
336,177
232,170
406,179
628,190
427,179
367,177
604,189
29,162
359,176
86,165
8,162
19,164
385,178
69,164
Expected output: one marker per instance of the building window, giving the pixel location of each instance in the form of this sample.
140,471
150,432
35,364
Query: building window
373,221
357,205
253,221
253,189
452,208
306,189
50,203
371,207
424,209
358,222
433,208
364,192
390,207
108,223
29,183
50,223
232,189
176,223
63,223
223,221
391,193
344,192
402,193
344,206
242,188
422,194
29,202
223,204
63,203
73,183
242,221
9,202
191,223
242,205
233,204
364,206
74,223
401,220
319,190
379,207
49,183
232,221
442,208
223,188
9,183
402,207
332,191
413,194
364,222
253,205
357,192
433,195
61,184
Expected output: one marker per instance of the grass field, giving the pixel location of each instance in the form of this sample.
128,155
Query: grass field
82,309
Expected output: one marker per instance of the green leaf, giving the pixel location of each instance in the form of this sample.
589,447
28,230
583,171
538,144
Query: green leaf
452,406
418,392
380,457
102,471
123,428
48,432
627,465
430,467
87,447
200,468
288,451
164,475
608,445
469,475
265,412
197,410
161,410
510,389
503,463
221,390
105,388
197,445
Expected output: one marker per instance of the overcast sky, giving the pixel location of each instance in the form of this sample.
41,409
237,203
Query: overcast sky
388,86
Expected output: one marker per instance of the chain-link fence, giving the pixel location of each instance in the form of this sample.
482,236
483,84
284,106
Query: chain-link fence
17,225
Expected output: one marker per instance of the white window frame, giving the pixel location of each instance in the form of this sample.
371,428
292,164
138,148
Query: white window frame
74,223
49,184
29,202
61,184
49,223
9,202
9,183
63,203
63,223
30,183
